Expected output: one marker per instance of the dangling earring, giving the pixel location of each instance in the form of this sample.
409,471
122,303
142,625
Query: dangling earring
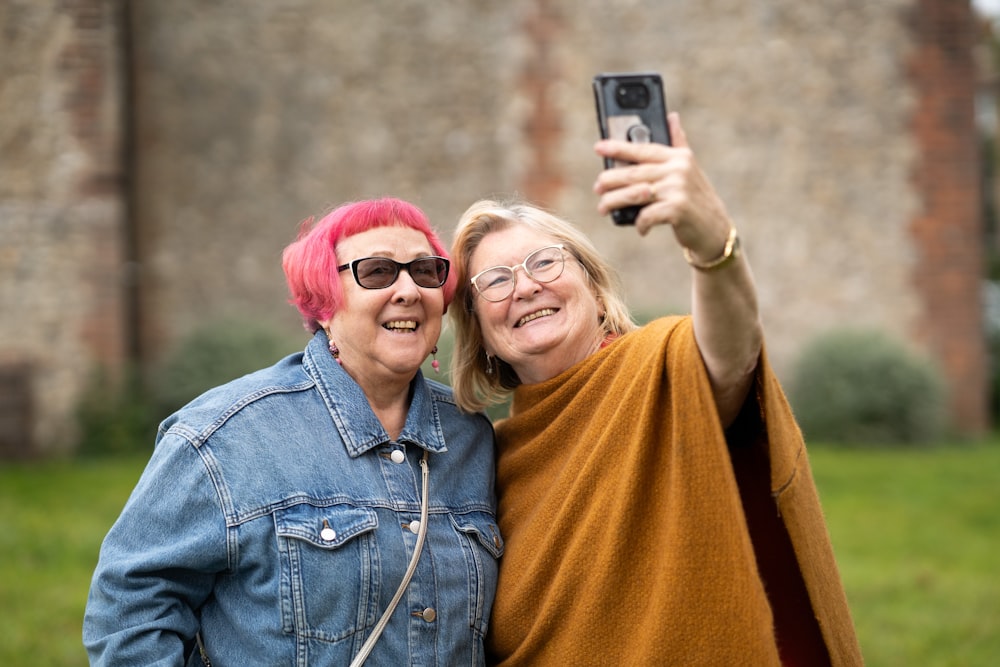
489,364
335,351
435,364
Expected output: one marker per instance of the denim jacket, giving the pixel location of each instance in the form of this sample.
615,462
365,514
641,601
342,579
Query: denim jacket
276,518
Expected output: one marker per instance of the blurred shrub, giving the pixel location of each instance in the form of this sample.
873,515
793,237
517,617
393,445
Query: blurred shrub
114,416
214,354
120,416
863,387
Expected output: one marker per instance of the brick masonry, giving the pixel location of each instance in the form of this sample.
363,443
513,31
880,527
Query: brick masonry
169,150
948,230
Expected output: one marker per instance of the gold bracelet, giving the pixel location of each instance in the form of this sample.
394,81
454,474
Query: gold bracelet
730,252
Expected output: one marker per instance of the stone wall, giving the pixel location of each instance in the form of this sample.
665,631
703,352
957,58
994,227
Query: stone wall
243,118
61,205
948,230
800,113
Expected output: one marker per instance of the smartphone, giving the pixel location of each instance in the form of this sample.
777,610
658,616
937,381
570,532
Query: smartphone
631,107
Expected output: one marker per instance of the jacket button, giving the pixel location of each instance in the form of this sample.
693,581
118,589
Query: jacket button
428,614
328,534
414,526
397,456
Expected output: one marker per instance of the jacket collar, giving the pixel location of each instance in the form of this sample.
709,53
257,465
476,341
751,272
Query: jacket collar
353,417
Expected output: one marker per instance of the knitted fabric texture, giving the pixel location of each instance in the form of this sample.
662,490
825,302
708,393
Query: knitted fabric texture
626,540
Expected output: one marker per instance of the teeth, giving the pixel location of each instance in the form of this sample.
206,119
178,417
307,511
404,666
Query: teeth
535,315
405,325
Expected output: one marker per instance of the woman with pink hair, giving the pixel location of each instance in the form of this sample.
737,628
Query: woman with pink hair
332,507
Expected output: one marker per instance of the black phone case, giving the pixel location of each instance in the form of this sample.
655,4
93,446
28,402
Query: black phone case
618,119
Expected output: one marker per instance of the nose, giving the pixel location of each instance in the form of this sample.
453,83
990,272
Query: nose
524,285
405,290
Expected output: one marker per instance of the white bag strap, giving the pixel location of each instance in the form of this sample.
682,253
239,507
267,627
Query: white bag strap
369,644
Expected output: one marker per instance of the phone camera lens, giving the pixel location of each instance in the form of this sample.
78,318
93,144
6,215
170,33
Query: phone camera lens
632,95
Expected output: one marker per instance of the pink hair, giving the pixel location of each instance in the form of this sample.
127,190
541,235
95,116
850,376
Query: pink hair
310,262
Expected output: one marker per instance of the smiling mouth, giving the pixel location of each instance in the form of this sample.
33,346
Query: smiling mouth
401,325
534,316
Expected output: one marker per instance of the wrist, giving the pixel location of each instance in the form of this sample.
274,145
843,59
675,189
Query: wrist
730,252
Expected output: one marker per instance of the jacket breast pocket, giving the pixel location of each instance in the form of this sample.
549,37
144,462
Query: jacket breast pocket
329,570
482,546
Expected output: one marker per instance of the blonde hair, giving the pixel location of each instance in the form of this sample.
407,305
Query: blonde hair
475,388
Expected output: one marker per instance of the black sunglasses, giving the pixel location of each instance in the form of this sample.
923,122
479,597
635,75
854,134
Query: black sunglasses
380,272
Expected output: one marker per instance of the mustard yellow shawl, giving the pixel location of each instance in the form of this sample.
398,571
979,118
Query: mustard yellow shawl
627,542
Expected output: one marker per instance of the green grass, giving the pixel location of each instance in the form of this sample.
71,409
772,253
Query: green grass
917,536
53,518
916,532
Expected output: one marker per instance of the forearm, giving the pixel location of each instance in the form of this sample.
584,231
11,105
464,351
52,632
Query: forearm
672,189
728,331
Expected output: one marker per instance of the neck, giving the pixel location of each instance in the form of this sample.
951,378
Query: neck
388,397
390,405
550,364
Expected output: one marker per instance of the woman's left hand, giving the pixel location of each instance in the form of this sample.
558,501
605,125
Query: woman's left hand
670,186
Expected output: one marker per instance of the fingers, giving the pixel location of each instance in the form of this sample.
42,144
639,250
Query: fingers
620,177
638,193
634,153
646,162
654,213
663,206
658,206
627,151
664,180
678,138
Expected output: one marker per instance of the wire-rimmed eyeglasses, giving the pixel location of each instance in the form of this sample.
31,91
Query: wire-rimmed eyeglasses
543,266
380,272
